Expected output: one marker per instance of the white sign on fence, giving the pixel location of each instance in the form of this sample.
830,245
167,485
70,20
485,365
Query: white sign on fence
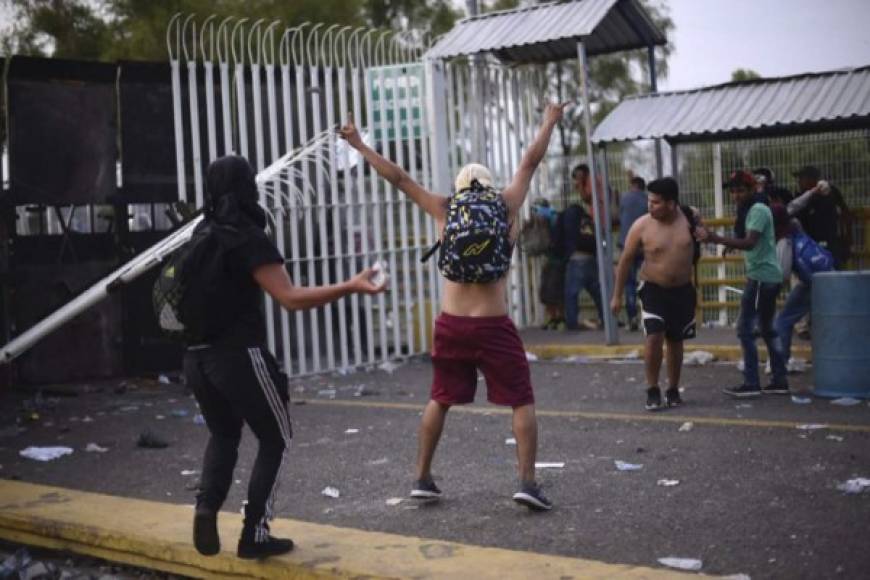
404,81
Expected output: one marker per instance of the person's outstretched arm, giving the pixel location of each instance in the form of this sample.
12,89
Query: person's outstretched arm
515,193
434,205
273,278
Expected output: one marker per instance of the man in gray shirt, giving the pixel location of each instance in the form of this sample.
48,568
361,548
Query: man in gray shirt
632,205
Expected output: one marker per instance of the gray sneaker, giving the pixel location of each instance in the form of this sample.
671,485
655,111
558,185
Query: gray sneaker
531,497
425,490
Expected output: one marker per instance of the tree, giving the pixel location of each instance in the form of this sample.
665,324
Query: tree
744,74
612,78
136,29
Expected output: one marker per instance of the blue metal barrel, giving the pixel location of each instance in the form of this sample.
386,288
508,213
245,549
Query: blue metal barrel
841,334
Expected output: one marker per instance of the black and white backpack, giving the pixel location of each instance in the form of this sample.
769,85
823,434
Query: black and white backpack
475,247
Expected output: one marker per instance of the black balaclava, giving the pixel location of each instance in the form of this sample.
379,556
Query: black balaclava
231,192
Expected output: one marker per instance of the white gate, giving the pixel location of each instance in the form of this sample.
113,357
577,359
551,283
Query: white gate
264,90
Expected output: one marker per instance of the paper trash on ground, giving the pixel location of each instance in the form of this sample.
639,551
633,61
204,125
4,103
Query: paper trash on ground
687,426
836,438
94,448
698,358
550,465
682,563
625,466
331,492
531,357
668,482
394,501
510,441
389,366
854,486
351,431
801,400
846,401
812,426
45,453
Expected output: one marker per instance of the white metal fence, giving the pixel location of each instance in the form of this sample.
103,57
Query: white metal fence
259,90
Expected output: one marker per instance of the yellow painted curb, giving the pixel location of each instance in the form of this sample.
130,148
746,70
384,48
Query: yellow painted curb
158,536
722,352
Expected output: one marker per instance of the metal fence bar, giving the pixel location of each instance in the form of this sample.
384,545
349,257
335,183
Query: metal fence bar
374,123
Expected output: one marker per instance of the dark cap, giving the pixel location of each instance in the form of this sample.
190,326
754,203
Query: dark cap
809,172
740,179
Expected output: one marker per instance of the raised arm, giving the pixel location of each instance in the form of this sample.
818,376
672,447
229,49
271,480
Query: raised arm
434,205
515,193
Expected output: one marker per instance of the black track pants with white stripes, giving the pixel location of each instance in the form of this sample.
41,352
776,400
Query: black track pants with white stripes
235,386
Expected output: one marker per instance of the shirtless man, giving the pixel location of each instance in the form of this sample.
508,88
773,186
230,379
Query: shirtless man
667,297
473,330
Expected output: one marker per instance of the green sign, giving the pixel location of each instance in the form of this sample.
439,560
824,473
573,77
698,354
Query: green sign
386,84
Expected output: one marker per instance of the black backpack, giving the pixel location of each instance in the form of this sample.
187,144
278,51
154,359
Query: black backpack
475,247
194,297
693,225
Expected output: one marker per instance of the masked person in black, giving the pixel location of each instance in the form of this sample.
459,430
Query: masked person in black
234,377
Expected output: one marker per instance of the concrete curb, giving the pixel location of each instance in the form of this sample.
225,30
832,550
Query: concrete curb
157,536
731,353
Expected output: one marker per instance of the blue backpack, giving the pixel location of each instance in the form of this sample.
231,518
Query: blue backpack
809,257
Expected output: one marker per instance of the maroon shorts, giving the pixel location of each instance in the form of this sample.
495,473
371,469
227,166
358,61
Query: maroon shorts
464,344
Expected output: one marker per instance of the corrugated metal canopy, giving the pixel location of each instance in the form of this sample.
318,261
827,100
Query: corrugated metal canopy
764,107
549,32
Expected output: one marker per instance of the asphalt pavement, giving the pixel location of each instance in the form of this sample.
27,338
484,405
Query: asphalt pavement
757,489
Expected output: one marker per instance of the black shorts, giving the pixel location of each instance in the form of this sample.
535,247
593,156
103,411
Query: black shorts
668,310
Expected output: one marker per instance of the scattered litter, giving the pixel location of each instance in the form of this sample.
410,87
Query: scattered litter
796,365
127,408
510,441
698,358
351,431
801,400
854,486
179,412
743,406
668,482
632,355
16,565
331,492
624,466
198,419
393,501
326,393
836,438
365,391
187,472
45,453
381,461
87,419
682,563
94,448
344,371
574,359
632,380
149,440
531,357
389,366
159,417
846,401
164,380
812,426
551,465
687,426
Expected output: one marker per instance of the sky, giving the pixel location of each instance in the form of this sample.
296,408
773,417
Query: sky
772,37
